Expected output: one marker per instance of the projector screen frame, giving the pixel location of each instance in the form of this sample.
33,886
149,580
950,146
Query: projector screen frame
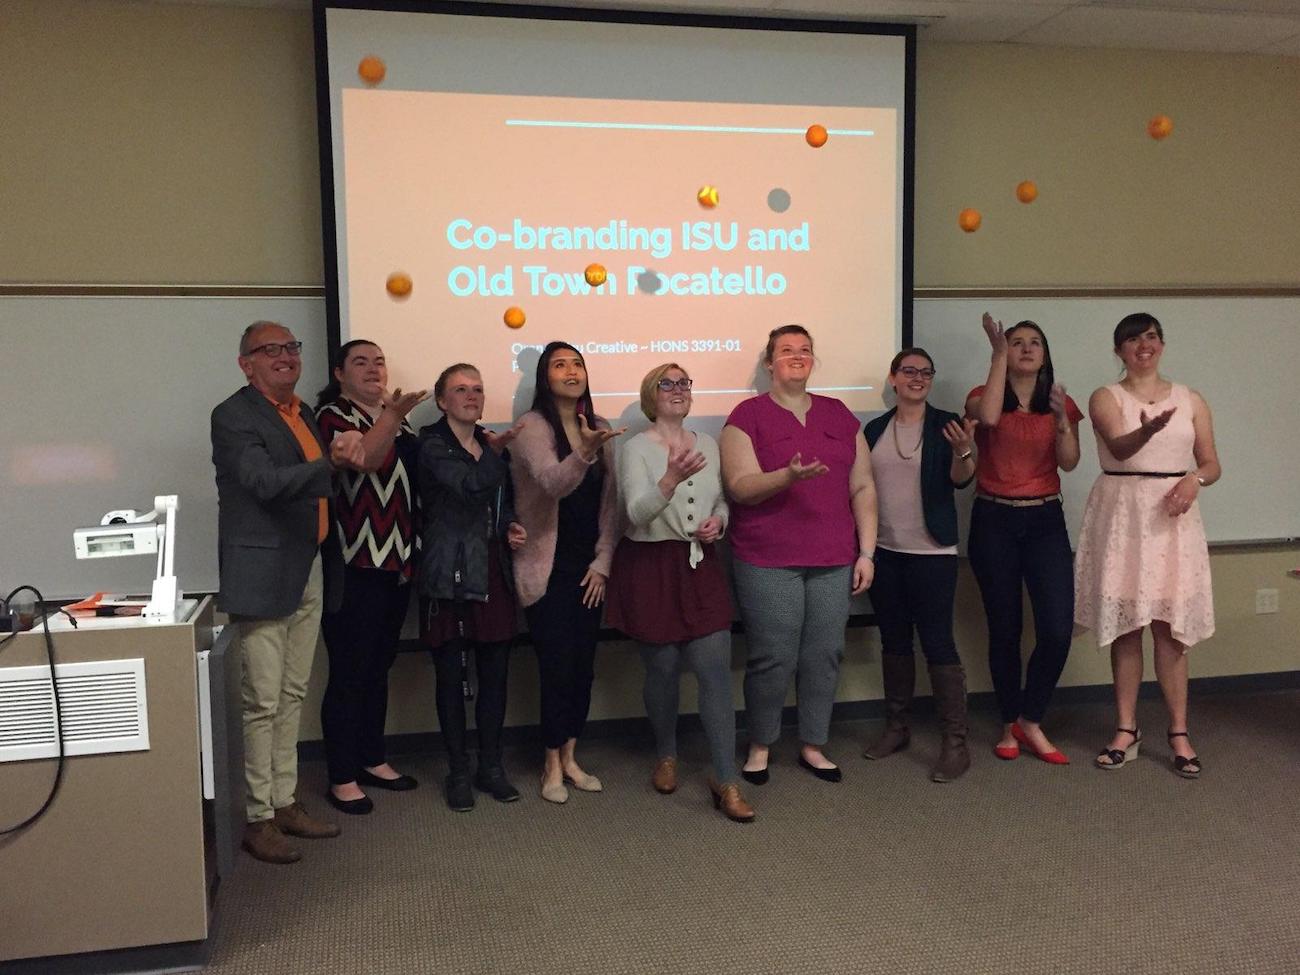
320,8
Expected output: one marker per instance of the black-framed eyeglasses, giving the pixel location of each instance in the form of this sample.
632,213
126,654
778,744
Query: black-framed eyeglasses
273,349
668,385
911,372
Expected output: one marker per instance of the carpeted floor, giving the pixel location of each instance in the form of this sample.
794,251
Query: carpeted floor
1020,867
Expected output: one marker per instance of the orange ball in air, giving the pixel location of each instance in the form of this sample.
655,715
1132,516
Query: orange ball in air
1027,191
399,284
514,317
372,70
816,136
595,275
1160,126
708,196
969,220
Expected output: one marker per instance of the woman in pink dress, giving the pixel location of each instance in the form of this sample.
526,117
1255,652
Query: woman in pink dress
1142,558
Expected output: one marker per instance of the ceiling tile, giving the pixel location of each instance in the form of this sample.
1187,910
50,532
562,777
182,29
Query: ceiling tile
1160,30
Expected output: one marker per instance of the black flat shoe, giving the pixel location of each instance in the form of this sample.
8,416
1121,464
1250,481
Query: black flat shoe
353,807
825,774
403,783
757,777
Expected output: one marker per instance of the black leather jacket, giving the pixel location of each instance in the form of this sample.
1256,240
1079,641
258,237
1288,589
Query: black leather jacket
467,506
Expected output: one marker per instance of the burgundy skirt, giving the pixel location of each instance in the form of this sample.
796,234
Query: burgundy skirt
656,597
494,621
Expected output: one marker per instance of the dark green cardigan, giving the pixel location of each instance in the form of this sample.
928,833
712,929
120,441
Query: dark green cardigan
936,463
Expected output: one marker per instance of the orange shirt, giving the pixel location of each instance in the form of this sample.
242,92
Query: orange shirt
1017,458
291,414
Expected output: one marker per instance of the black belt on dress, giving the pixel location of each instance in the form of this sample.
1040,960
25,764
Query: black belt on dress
1018,502
1145,473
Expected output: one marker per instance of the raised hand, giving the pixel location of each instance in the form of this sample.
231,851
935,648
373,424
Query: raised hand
1151,425
346,450
710,529
683,462
960,435
594,439
516,536
402,403
593,584
499,441
997,335
799,471
1056,401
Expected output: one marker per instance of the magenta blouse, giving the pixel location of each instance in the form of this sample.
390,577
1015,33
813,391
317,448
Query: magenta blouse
810,523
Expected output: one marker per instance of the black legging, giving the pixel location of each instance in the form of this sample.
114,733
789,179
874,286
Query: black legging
361,641
564,635
492,665
915,592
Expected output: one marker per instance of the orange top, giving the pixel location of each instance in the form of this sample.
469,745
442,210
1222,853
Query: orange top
1017,458
291,414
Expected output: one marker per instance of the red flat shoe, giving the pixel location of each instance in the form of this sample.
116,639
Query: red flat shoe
1054,757
1007,753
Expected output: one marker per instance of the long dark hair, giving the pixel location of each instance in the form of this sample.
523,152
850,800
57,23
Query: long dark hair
1040,401
333,389
544,401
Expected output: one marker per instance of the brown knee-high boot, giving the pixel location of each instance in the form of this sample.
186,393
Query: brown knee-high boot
949,683
899,672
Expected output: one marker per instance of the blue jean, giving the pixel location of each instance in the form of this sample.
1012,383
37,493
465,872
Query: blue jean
915,592
1028,547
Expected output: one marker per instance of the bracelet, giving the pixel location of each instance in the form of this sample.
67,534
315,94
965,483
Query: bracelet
965,456
869,556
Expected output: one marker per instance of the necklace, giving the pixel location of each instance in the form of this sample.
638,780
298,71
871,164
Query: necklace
899,447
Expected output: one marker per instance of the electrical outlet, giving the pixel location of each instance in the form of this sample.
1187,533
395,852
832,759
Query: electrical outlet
1265,601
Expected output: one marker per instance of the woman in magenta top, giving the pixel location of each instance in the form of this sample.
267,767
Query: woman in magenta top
803,536
1028,431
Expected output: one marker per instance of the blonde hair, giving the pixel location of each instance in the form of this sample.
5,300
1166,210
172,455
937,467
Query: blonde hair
650,386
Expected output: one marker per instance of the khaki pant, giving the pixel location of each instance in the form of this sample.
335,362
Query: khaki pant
277,657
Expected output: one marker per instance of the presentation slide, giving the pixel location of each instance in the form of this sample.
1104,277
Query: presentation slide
478,225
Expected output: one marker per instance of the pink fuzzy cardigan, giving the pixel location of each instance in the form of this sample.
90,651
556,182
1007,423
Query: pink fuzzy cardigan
540,482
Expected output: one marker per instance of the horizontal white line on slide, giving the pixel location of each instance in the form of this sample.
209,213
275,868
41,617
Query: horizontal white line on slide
671,127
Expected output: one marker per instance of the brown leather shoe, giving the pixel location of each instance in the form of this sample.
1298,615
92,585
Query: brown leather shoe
266,843
295,821
731,802
664,778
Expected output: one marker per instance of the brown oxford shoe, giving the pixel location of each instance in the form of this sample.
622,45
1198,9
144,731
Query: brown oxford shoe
664,778
266,843
295,821
733,805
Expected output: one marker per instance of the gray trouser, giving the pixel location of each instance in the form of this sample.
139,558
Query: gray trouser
794,625
710,659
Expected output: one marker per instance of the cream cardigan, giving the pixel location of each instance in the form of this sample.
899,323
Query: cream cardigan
654,518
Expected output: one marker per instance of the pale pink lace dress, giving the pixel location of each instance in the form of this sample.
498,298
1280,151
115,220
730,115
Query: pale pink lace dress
1135,563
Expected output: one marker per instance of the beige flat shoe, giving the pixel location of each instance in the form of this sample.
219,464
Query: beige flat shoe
556,793
585,783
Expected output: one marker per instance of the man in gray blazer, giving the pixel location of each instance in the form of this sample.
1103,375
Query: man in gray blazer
280,566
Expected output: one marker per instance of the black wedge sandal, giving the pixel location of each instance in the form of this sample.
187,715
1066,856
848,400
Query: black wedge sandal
1109,758
1188,768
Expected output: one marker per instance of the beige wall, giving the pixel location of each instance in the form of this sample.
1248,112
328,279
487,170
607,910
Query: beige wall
150,143
167,144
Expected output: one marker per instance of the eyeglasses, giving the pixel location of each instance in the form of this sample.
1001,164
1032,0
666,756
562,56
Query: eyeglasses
273,349
668,385
911,372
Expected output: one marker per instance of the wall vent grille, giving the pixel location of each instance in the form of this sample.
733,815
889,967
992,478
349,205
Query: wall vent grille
103,705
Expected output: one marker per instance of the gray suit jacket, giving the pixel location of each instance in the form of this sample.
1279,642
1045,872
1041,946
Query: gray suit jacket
267,518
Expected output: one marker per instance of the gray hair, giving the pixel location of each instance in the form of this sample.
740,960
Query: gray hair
248,333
